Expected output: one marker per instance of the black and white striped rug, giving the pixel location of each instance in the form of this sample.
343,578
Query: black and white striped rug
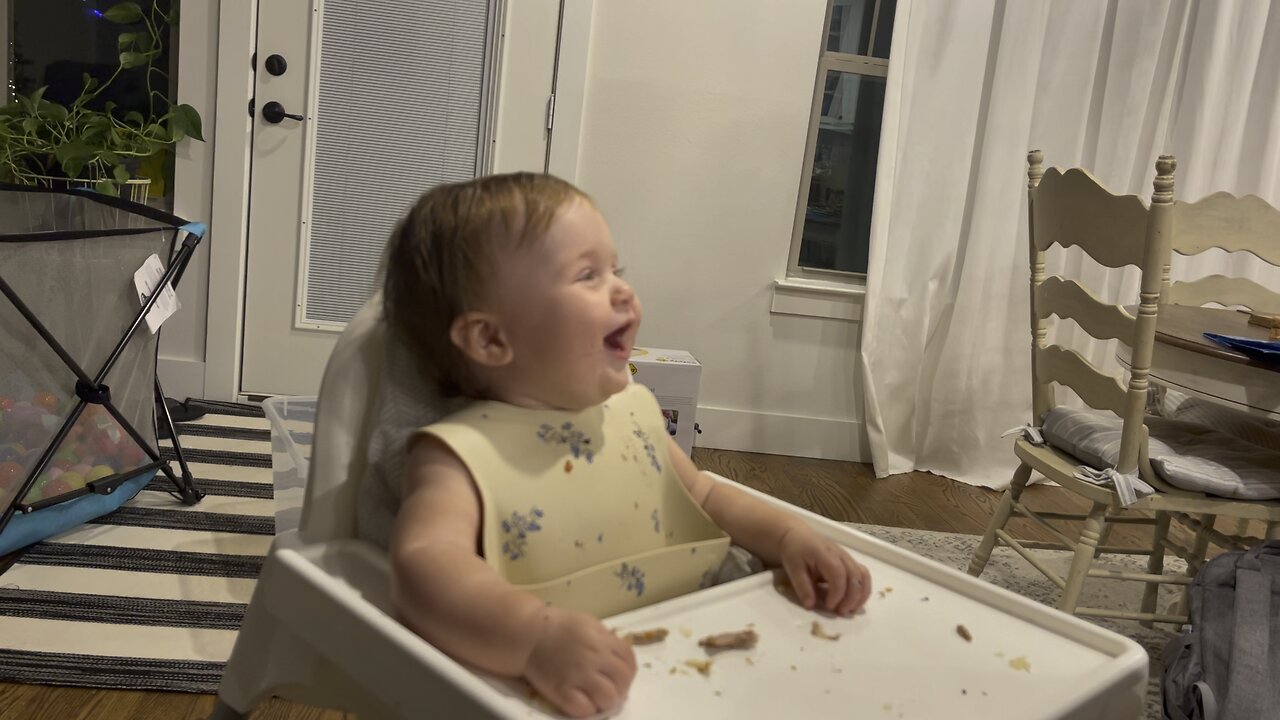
149,597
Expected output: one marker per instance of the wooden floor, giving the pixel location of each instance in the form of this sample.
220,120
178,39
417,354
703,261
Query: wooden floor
840,490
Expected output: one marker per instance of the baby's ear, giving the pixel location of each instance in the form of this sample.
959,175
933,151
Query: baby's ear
480,338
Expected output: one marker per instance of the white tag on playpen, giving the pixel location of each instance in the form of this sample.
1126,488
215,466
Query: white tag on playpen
145,280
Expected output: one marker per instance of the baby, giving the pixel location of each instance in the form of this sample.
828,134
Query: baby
556,497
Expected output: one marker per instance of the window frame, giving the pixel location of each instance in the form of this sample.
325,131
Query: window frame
829,61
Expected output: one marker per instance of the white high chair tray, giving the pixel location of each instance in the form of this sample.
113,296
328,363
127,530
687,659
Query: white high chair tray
902,658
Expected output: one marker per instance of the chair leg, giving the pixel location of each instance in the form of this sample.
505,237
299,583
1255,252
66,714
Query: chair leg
1155,566
982,553
1195,558
1085,549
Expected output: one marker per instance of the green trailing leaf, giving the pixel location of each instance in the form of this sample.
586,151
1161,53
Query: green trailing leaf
57,113
133,117
125,41
190,120
107,187
132,60
124,13
120,172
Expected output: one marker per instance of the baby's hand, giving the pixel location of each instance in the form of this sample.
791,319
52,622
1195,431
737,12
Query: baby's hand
580,666
810,559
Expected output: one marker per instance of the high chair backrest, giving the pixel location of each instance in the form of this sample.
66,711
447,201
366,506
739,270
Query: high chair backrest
343,416
1234,224
1073,208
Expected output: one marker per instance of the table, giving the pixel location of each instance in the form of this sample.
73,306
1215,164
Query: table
1185,360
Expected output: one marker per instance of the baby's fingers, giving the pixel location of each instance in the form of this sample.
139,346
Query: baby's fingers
798,573
835,575
573,702
859,586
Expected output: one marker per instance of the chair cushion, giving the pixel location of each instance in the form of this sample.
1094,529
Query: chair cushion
404,402
1186,455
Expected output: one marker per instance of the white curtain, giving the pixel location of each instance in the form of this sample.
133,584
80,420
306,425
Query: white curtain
972,86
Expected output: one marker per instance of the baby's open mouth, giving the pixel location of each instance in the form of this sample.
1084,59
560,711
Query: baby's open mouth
617,340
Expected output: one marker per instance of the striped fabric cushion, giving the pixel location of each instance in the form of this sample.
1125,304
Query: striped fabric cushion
1187,455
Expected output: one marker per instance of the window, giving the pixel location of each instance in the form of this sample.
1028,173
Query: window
833,217
56,44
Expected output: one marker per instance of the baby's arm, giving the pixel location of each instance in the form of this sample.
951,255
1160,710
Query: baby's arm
443,590
778,539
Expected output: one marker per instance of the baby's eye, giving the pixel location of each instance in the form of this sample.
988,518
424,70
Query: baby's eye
619,270
587,275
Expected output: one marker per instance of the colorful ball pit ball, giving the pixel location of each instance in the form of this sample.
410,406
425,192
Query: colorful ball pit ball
97,472
47,400
73,480
12,451
10,473
54,488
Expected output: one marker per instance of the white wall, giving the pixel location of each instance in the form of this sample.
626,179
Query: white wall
182,344
693,135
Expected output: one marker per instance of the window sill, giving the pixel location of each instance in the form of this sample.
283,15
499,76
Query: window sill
818,298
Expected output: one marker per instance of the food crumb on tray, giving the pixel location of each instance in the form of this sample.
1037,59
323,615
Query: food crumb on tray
741,640
702,666
1020,663
963,632
817,631
646,637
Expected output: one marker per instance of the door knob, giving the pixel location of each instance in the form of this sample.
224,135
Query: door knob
276,64
273,112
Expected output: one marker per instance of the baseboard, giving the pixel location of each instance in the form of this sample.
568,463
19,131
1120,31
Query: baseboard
181,378
778,434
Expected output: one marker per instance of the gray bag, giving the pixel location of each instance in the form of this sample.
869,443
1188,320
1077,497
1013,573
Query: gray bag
1227,666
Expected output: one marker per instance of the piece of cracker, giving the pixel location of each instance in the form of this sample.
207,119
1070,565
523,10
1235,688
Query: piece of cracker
817,631
741,640
702,666
646,637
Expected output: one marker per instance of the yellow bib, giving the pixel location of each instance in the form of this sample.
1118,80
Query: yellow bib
584,509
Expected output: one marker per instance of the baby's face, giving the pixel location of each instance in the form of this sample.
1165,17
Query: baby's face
570,318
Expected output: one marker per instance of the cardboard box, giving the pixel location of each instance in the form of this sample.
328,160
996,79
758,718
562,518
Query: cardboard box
673,377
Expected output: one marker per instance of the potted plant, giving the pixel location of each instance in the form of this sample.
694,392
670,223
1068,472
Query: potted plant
89,142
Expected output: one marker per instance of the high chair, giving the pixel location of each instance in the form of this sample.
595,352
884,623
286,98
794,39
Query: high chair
319,628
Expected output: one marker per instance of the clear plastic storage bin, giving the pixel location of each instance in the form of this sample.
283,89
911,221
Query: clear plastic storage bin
292,425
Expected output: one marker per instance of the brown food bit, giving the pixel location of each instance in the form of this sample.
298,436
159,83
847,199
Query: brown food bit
646,637
568,466
750,661
963,632
702,666
741,640
817,631
793,668
673,671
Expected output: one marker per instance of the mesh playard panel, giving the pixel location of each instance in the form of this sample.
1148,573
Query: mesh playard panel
78,387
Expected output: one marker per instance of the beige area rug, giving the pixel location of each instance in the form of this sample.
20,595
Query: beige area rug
1008,570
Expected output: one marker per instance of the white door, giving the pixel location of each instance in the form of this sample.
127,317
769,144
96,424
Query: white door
359,107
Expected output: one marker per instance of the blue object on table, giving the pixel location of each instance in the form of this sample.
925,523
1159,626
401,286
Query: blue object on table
1265,350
